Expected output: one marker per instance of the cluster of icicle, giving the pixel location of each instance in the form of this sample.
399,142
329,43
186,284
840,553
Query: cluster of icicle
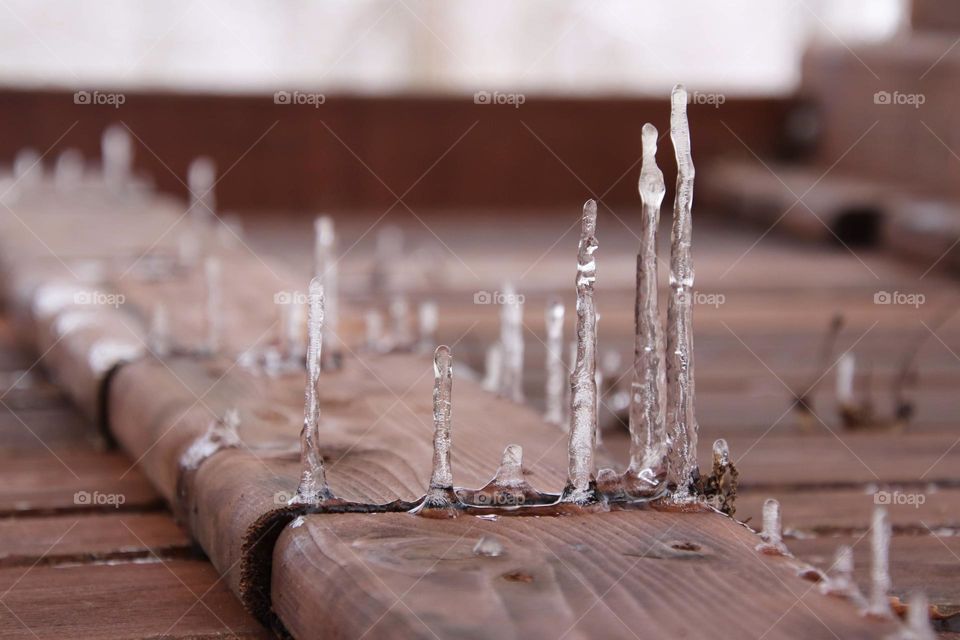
839,582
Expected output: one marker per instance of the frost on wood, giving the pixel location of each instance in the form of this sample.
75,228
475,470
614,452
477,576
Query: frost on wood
555,369
440,494
879,604
313,479
840,581
213,306
511,342
772,534
201,178
583,381
681,422
648,437
325,268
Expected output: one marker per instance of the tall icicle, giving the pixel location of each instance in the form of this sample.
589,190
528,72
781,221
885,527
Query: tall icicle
313,479
511,341
583,381
840,581
441,493
116,149
648,436
213,311
772,533
556,371
681,422
492,368
428,318
201,178
325,267
879,604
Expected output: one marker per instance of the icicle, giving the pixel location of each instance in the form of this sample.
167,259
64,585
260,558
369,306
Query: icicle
159,335
493,366
402,336
386,260
440,495
583,383
201,178
488,547
27,168
511,341
213,315
846,370
325,267
68,170
879,605
313,479
428,318
116,149
373,326
648,436
772,534
555,369
508,488
681,422
510,472
840,580
917,626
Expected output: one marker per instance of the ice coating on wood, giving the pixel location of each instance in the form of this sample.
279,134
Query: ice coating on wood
402,335
772,534
917,626
879,604
555,369
492,367
510,472
846,370
583,381
313,479
220,434
681,422
213,310
116,148
201,177
488,547
839,581
428,318
511,342
158,337
441,479
325,267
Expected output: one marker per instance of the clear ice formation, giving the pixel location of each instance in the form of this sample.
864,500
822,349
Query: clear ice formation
313,479
648,436
508,488
917,626
846,370
117,151
441,479
840,580
879,604
511,341
492,367
221,434
325,267
772,534
681,422
158,337
201,177
556,370
401,335
583,381
213,309
428,318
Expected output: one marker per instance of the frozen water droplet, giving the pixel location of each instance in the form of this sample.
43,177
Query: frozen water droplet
511,341
325,267
116,148
721,453
213,309
840,581
556,371
583,382
493,365
879,605
772,534
159,334
428,318
488,547
201,178
313,479
681,421
441,480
